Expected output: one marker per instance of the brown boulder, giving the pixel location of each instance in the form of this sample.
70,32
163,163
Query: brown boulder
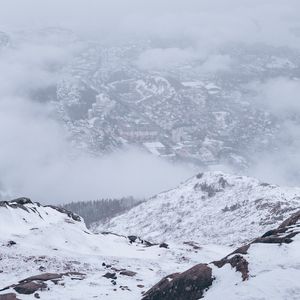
238,262
110,275
9,296
30,287
189,285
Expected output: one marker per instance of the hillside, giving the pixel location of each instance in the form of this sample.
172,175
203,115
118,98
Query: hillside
210,208
266,268
48,253
70,262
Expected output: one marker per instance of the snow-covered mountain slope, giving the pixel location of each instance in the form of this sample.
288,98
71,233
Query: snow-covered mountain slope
70,262
48,253
209,208
267,268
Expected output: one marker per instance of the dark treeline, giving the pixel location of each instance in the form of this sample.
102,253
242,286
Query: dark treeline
102,209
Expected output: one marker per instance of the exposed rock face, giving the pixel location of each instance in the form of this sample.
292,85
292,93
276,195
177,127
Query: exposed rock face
188,285
23,202
9,296
283,234
30,287
36,283
291,221
110,275
17,203
238,262
67,212
42,277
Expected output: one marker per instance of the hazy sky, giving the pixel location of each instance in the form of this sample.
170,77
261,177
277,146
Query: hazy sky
207,22
193,29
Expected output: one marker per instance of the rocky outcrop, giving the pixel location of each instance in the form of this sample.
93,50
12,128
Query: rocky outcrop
29,288
189,285
67,212
32,284
9,296
128,273
29,206
192,283
238,262
17,203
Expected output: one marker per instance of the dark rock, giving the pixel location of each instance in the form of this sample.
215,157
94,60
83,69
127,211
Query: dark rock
209,189
132,238
291,221
37,296
223,182
276,239
11,243
164,245
140,286
9,296
238,262
241,250
43,277
199,176
42,269
193,245
114,282
188,285
21,201
128,273
110,275
284,234
136,239
30,287
32,284
66,212
147,243
17,203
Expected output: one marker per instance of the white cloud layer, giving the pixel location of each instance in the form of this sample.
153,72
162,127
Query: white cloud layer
35,153
205,22
280,95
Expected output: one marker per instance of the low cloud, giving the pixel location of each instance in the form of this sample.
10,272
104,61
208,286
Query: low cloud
279,164
164,58
280,95
37,160
207,22
215,63
37,156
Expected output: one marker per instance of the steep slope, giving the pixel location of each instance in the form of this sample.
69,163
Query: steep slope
67,261
267,268
210,208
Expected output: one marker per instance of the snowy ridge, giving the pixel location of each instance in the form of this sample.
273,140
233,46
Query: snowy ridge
212,207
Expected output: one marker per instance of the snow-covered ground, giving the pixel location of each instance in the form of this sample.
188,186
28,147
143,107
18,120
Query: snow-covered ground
47,240
216,209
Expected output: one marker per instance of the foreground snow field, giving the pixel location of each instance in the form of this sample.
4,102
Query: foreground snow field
35,239
199,257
